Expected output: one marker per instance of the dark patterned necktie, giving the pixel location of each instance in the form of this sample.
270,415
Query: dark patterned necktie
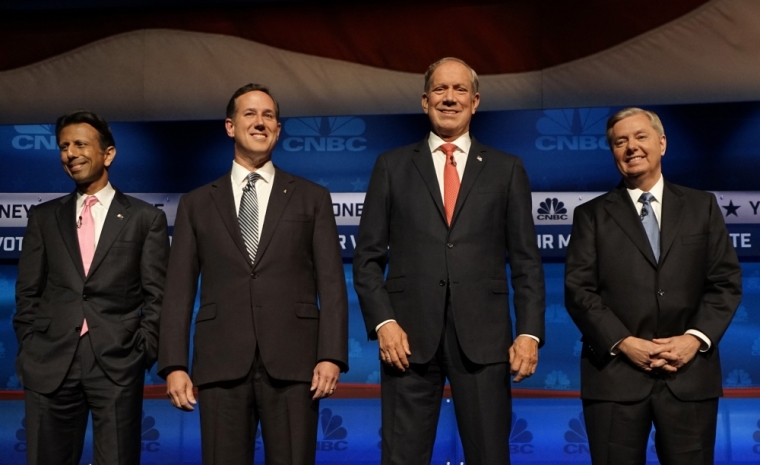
248,216
650,223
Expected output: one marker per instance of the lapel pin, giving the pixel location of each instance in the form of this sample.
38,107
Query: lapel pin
120,216
285,191
480,158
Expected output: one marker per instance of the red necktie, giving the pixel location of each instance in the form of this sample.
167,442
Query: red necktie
450,182
86,234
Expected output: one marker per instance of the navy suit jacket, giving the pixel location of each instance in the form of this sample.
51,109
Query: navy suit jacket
120,297
291,305
404,227
614,288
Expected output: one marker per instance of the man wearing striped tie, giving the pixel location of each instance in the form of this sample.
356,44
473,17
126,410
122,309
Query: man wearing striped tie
89,289
271,334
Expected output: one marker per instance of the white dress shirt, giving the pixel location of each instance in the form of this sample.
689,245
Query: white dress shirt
656,204
463,144
99,210
263,187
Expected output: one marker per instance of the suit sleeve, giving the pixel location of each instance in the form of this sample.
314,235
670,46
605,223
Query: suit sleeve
723,281
331,287
153,262
32,277
601,328
524,258
179,296
371,252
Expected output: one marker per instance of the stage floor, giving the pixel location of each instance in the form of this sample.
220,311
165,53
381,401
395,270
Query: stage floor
545,431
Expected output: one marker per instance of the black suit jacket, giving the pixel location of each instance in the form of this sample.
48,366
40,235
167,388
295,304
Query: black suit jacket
120,297
292,304
403,210
615,289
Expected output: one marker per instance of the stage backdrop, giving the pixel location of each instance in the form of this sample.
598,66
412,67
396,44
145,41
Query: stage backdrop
711,147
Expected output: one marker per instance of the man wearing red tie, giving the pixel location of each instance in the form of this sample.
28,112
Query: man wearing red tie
90,285
446,216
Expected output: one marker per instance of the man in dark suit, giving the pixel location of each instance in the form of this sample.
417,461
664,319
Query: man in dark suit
452,211
90,284
271,335
652,281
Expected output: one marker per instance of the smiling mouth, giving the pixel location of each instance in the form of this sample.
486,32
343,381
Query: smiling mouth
636,158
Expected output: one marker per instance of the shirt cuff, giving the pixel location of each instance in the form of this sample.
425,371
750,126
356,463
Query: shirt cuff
530,336
382,324
706,343
614,350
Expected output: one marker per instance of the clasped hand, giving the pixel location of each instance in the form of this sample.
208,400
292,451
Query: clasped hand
667,354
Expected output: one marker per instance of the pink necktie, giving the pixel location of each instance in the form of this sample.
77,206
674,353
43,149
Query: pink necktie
86,233
450,182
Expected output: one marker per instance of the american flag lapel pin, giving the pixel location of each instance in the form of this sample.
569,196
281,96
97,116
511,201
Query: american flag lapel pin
480,158
120,216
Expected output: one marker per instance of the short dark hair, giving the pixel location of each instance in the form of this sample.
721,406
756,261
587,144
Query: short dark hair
83,116
232,104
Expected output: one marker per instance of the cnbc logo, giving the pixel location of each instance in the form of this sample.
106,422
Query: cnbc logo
552,209
520,437
579,129
35,136
576,437
324,134
333,434
149,434
20,446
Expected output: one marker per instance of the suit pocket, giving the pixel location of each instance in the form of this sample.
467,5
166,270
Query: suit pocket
41,324
207,312
131,322
395,285
297,218
694,239
304,310
499,287
125,244
493,189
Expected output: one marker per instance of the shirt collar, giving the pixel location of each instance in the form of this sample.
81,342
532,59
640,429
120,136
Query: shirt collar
462,142
239,173
105,196
656,191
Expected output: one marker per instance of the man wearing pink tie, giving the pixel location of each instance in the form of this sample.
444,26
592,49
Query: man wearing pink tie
90,285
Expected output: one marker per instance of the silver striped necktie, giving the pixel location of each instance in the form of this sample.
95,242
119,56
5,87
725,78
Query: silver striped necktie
248,216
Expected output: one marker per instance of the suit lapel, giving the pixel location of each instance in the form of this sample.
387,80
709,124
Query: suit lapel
221,193
282,191
118,215
622,210
67,225
476,160
672,214
423,160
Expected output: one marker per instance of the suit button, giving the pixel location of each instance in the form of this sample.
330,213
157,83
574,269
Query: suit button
450,245
442,282
78,329
86,297
660,292
254,275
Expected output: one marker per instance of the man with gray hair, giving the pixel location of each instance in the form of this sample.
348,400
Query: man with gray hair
652,282
453,213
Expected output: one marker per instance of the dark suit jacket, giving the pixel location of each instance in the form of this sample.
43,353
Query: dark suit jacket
403,210
120,297
614,289
292,303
